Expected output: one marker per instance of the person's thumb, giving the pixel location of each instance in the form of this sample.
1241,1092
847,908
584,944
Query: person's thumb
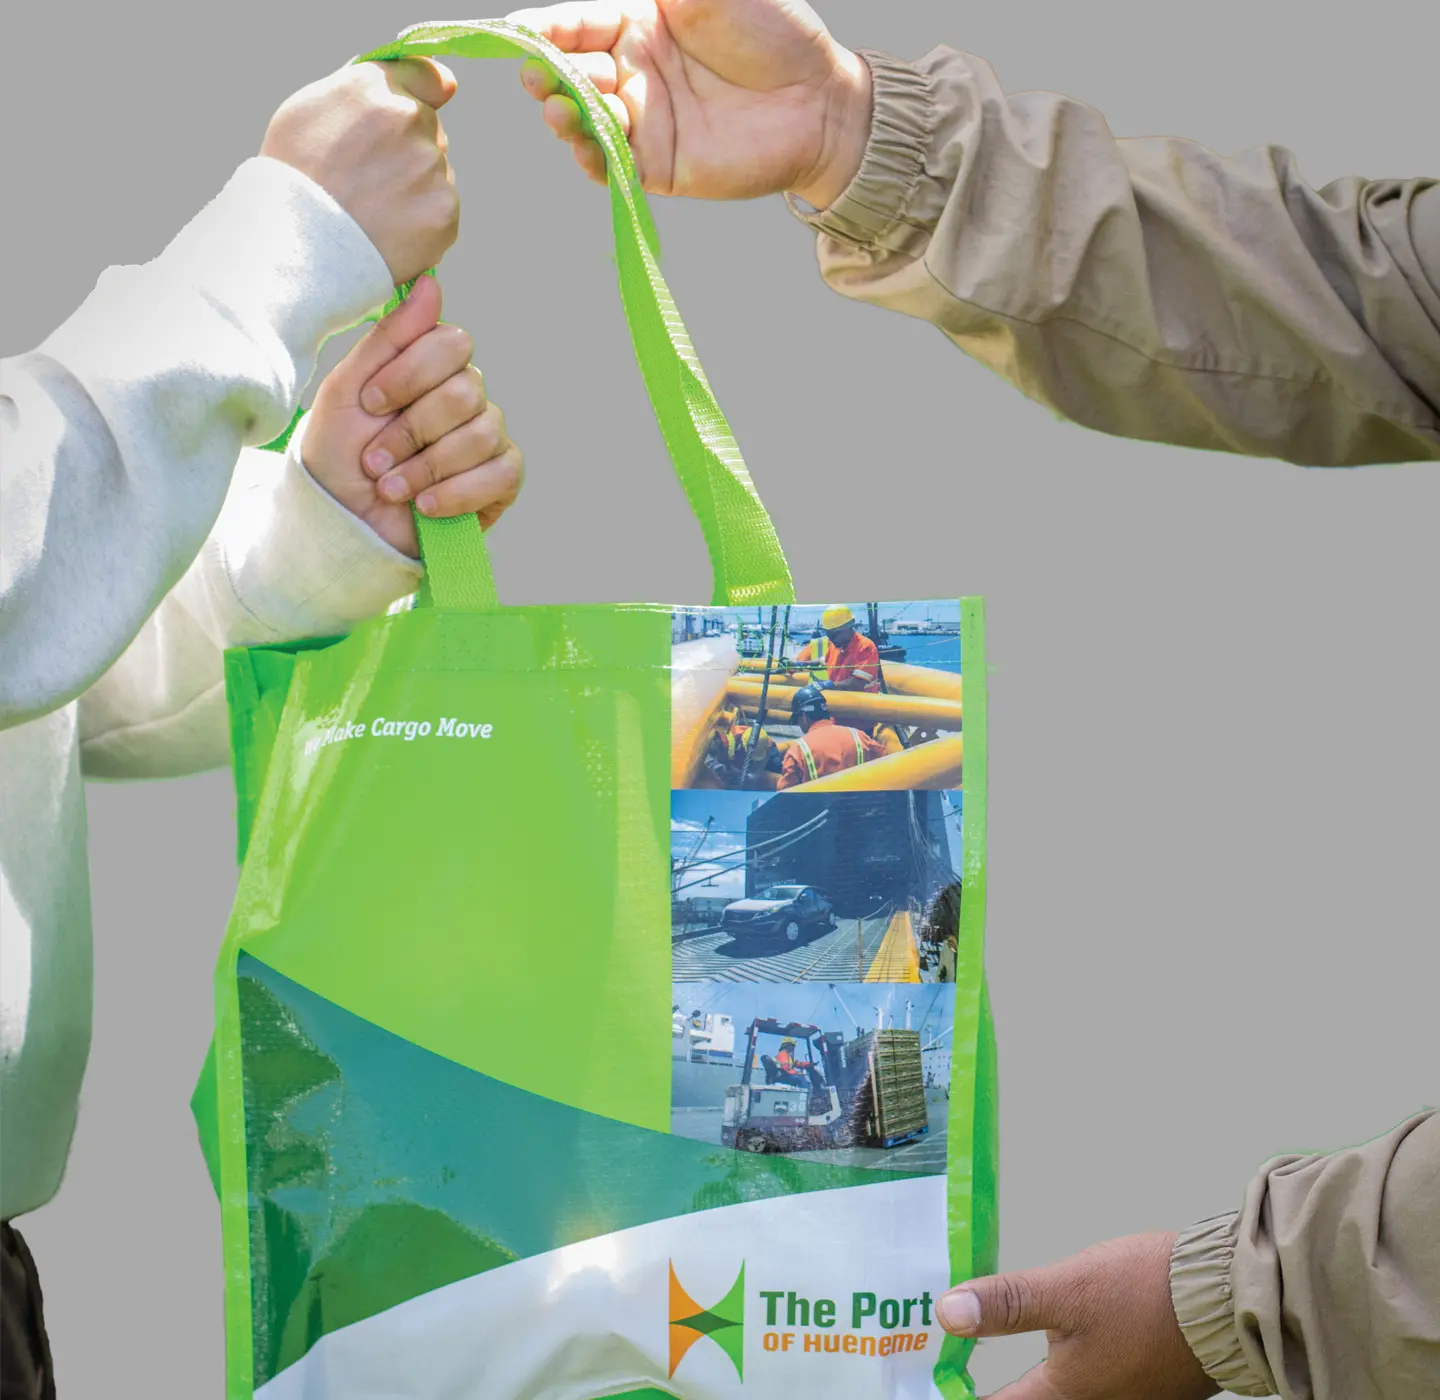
417,315
1035,1300
423,78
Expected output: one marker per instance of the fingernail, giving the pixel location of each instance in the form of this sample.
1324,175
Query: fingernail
395,488
379,462
959,1312
372,400
426,504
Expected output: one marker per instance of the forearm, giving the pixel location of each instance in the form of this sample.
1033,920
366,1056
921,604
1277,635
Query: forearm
1146,288
1326,1284
121,431
284,561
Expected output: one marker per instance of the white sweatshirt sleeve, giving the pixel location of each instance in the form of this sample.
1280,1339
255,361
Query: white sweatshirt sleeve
284,561
119,435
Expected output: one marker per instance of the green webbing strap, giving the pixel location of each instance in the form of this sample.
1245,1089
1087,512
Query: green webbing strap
457,564
745,553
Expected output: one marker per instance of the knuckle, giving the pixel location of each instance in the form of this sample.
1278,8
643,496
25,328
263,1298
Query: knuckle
1016,1297
480,443
1081,1292
376,120
410,435
512,473
1076,1303
459,395
441,212
458,343
387,118
363,80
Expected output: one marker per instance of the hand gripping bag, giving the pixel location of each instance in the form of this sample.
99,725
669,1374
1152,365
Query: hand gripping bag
591,1021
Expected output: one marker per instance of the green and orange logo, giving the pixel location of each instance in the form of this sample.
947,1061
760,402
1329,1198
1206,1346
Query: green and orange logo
724,1324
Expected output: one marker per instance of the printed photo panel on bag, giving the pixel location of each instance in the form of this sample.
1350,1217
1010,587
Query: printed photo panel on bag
815,886
842,697
816,859
850,1074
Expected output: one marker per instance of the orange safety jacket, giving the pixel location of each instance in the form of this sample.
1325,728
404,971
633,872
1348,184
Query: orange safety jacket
860,657
826,748
786,1062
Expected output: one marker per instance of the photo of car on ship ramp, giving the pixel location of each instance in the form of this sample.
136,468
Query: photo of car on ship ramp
834,887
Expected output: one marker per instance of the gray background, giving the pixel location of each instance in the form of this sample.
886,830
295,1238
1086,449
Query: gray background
1213,833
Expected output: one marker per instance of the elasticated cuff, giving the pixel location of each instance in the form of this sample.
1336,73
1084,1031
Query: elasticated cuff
300,563
900,132
1204,1305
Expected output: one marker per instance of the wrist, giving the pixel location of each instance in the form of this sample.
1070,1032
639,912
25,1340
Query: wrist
847,107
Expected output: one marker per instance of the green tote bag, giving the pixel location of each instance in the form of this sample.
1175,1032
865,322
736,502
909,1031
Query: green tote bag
602,1011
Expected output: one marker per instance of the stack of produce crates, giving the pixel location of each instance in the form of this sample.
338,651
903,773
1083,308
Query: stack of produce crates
897,1084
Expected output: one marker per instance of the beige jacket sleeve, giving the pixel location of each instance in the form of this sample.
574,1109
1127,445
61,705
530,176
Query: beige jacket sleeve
1326,1284
1147,288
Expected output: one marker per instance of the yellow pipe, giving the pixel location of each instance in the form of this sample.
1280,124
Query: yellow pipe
700,671
901,678
853,706
888,737
937,764
905,679
688,747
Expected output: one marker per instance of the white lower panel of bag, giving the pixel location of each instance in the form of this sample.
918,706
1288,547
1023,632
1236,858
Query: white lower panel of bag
828,1293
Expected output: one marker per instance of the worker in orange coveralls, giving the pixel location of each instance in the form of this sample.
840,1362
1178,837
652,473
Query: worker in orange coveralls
824,746
847,659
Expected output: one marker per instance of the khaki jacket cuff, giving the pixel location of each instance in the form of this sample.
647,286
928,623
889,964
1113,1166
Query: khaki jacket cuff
1204,1305
901,128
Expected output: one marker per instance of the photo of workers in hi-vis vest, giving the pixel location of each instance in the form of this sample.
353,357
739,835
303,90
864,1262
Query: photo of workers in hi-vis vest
831,698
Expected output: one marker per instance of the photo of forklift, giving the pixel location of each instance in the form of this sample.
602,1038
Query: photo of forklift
864,1092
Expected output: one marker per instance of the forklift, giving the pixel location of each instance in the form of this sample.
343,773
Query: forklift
865,1092
770,1112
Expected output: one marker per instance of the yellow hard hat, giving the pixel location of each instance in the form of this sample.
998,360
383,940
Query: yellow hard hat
832,619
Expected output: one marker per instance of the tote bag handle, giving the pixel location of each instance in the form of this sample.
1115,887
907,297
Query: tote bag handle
745,554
